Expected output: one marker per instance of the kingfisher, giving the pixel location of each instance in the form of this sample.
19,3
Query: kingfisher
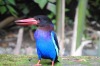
46,40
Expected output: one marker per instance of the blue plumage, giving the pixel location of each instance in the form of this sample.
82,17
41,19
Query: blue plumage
47,45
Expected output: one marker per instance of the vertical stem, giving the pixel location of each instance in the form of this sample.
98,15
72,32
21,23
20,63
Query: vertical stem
60,23
79,25
98,43
81,20
98,50
19,41
73,47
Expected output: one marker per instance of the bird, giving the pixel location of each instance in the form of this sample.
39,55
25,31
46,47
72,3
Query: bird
46,39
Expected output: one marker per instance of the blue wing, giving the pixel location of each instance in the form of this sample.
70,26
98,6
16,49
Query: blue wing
55,41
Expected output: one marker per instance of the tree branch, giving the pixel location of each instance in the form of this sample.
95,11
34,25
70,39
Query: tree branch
7,21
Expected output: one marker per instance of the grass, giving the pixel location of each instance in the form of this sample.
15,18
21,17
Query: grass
22,60
14,60
82,60
27,60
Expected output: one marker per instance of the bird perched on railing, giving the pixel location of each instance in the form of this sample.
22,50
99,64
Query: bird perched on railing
45,37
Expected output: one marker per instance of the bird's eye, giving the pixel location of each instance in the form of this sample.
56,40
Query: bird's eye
38,18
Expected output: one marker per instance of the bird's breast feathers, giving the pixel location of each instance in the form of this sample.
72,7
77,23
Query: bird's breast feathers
40,34
46,39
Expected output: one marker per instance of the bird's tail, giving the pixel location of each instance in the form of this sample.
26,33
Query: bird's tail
56,60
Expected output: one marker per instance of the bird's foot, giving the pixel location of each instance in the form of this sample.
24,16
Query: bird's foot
38,64
52,63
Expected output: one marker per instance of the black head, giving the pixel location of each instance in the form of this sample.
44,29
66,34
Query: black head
43,20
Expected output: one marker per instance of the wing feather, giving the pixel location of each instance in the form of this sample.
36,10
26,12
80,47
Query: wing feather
55,41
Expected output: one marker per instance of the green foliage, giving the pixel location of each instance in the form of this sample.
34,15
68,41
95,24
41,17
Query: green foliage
33,27
52,8
88,13
10,7
3,9
12,10
68,1
6,7
66,10
97,2
12,2
25,10
52,1
50,15
41,3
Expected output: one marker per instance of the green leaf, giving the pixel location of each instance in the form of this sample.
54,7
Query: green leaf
33,27
52,8
50,15
67,10
88,13
68,1
41,3
97,2
3,9
1,2
12,10
25,10
52,1
54,21
22,6
12,2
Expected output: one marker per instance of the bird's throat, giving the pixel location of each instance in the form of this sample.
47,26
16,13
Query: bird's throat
46,28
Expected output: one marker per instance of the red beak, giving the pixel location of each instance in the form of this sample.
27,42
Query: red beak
26,22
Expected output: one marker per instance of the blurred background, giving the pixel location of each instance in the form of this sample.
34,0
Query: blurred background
77,24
